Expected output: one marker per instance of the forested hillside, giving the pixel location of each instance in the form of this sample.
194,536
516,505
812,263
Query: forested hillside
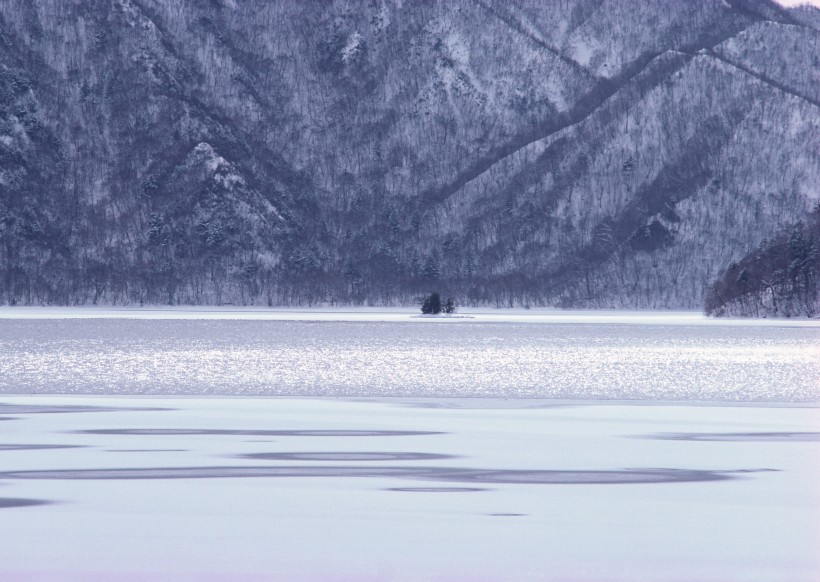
779,279
590,153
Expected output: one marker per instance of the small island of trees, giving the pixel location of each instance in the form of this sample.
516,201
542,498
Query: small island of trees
432,305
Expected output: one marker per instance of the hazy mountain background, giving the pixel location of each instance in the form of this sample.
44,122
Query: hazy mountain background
591,153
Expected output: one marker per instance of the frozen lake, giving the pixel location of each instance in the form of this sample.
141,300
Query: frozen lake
126,488
681,357
228,445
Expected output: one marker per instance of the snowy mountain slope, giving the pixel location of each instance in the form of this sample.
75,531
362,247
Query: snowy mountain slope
581,152
795,68
654,190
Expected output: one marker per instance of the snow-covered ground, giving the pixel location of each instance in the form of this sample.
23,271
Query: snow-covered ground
406,489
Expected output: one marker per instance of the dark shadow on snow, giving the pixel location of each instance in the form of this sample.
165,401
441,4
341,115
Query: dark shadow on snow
438,489
738,436
445,474
253,432
8,502
59,409
28,447
345,456
147,451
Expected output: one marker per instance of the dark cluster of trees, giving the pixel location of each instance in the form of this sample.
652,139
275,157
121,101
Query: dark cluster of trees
432,305
779,279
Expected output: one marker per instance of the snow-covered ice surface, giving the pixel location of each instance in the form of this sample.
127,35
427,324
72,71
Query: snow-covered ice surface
370,353
406,489
514,452
397,314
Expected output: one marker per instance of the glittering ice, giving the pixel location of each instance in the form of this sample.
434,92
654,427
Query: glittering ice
588,357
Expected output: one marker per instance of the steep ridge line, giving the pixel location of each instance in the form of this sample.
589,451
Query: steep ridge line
630,220
511,22
677,182
747,8
585,107
763,78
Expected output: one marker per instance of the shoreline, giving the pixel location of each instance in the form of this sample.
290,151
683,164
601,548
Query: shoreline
397,315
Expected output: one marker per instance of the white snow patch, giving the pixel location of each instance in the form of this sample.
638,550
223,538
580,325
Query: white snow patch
218,166
383,20
351,50
555,93
797,124
458,49
135,16
582,52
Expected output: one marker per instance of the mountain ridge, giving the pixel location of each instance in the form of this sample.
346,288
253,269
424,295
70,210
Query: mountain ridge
587,154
